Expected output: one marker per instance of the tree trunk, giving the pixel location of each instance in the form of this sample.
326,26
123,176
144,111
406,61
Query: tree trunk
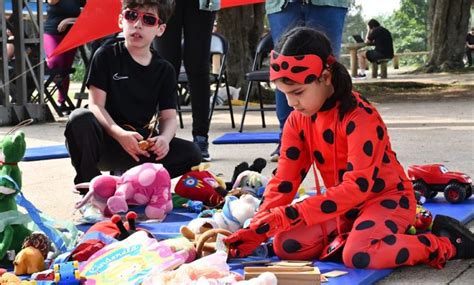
242,27
448,22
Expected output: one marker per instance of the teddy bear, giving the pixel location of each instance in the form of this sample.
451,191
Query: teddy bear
146,184
13,231
235,213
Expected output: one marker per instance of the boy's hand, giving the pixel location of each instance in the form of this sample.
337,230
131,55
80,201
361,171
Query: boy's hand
159,146
129,141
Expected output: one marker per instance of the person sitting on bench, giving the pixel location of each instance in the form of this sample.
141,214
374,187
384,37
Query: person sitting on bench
382,39
129,83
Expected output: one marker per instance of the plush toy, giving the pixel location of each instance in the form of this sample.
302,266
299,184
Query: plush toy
147,184
205,240
29,260
423,217
234,214
12,229
258,165
251,182
201,185
11,279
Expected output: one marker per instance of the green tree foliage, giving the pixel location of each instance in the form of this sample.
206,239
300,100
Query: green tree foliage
355,23
408,26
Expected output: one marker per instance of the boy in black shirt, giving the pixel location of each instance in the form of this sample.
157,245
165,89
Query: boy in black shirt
382,39
128,84
469,46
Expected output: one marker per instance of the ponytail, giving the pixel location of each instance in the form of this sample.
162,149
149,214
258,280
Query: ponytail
341,80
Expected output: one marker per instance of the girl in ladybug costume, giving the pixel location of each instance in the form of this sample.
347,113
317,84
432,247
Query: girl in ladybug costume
369,202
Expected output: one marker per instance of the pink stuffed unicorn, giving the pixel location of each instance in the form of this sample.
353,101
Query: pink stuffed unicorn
146,184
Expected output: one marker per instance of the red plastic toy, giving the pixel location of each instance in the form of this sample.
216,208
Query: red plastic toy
433,178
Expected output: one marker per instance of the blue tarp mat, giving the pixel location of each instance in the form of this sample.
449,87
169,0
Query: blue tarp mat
45,152
170,228
244,138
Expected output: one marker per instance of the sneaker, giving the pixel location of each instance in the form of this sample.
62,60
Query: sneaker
360,76
203,145
275,154
64,109
460,236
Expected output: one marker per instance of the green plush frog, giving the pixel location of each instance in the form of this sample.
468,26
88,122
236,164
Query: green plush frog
12,229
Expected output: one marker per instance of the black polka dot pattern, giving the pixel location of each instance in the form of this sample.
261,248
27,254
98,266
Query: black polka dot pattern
298,69
350,128
299,57
291,246
363,184
389,204
328,207
319,157
424,240
379,185
291,213
302,135
303,174
368,148
400,186
310,78
404,202
314,117
352,214
380,133
293,153
285,65
275,67
391,226
361,260
433,255
375,173
365,225
385,158
374,241
328,136
350,167
402,256
285,187
262,229
341,174
390,239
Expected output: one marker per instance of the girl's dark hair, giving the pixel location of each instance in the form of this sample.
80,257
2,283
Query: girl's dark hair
304,40
373,23
164,8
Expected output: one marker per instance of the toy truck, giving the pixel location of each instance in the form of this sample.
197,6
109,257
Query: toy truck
433,178
67,273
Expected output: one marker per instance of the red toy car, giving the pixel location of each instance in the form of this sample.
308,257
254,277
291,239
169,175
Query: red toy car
433,178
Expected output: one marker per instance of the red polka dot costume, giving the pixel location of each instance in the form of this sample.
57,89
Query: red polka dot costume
368,196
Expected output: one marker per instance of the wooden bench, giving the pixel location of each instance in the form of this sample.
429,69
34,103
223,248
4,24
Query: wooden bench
383,68
396,57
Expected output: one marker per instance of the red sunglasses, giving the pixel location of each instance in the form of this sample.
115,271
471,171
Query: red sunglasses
147,19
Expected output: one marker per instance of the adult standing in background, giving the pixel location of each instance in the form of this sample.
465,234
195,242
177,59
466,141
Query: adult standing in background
192,22
327,16
469,46
61,15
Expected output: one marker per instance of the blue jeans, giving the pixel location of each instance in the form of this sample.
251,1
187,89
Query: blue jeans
327,19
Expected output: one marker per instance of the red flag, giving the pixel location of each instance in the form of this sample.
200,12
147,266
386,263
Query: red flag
99,18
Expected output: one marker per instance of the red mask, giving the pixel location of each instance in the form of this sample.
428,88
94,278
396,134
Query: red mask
302,69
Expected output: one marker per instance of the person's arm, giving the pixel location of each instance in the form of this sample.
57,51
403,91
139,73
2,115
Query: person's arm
168,124
53,2
368,40
127,139
63,25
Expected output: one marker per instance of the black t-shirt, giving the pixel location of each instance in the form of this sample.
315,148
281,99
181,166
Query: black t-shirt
134,92
470,39
382,39
56,13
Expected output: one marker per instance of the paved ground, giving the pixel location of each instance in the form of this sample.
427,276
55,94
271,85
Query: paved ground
421,132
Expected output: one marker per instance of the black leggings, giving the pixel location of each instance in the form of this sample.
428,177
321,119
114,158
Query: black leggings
92,149
197,27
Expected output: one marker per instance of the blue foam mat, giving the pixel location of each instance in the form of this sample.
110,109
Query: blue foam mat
170,228
245,138
45,152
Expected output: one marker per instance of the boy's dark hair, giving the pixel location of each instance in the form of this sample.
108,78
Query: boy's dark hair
304,40
373,23
164,8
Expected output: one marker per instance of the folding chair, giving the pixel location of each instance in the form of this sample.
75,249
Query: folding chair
217,76
54,78
260,73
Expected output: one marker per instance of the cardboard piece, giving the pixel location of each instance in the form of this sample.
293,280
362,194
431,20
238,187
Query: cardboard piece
302,275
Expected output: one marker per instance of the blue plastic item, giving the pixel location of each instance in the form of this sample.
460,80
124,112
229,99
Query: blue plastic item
45,152
245,138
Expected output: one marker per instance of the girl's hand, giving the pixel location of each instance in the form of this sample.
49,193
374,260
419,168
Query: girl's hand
129,142
243,242
275,220
159,146
64,23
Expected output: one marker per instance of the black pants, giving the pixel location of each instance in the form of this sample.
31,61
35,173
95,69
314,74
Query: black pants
92,149
197,28
469,56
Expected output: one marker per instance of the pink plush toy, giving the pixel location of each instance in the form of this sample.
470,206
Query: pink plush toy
147,184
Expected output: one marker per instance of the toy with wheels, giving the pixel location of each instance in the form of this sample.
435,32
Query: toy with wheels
433,178
67,273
